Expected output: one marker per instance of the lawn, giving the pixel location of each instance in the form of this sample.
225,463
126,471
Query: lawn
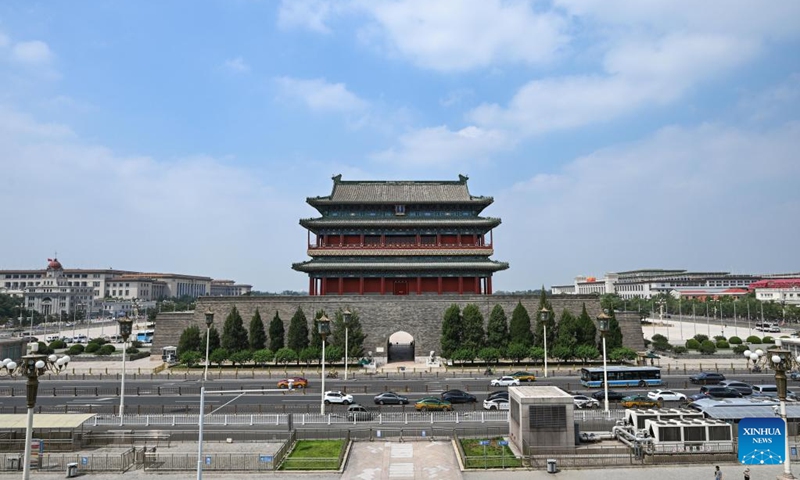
314,455
494,455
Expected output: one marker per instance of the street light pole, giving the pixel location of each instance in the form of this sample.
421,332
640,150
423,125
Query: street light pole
543,316
346,319
125,329
781,361
603,323
209,322
32,366
324,329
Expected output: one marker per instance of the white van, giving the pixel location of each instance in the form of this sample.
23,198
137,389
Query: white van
52,338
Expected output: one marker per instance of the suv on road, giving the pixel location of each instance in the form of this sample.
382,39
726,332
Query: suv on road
707,378
582,401
359,413
338,397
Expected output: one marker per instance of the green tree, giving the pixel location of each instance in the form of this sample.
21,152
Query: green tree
497,329
190,340
472,335
489,354
234,335
263,356
451,331
310,354
536,353
519,329
549,321
276,333
218,356
258,339
213,340
241,357
586,352
614,335
707,347
585,329
298,332
285,355
621,354
334,353
562,352
567,335
190,358
517,352
464,355
355,334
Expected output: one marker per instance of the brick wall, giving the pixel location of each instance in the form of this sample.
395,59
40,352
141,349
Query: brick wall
380,316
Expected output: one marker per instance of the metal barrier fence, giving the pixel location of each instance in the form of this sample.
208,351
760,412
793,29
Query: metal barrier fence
57,462
301,419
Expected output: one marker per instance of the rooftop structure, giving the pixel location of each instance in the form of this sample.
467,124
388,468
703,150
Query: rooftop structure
399,238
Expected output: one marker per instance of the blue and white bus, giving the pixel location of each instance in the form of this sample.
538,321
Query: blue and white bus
621,377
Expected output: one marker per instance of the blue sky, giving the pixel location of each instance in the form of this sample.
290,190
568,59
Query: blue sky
185,136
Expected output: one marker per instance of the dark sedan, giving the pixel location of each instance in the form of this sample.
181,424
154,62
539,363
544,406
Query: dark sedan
390,398
720,392
498,393
613,395
707,378
458,396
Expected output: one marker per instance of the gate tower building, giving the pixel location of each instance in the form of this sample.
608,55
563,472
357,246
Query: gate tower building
400,238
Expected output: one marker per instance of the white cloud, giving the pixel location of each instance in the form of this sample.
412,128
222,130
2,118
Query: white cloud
442,147
455,97
34,52
236,65
308,14
321,96
636,75
701,198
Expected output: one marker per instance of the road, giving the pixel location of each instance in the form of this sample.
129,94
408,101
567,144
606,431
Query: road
162,395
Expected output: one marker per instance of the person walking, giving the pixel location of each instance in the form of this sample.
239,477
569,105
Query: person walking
746,474
717,474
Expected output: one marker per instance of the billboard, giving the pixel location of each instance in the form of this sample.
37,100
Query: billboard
762,441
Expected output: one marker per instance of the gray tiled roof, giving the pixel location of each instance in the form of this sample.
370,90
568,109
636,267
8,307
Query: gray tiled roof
400,192
318,266
400,221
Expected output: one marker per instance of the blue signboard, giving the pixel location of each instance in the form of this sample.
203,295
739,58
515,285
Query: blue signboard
484,442
208,460
84,460
762,441
265,458
503,443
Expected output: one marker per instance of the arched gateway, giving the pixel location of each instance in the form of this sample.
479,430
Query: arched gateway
400,347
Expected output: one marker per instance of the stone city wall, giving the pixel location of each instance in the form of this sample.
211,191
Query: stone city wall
380,316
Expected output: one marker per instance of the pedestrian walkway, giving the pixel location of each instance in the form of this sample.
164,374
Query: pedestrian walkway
433,460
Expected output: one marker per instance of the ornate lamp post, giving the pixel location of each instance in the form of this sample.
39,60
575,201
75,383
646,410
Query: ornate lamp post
781,360
209,322
32,366
324,329
125,329
603,322
543,314
753,356
346,319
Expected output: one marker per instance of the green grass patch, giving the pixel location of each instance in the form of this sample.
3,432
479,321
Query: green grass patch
493,455
314,455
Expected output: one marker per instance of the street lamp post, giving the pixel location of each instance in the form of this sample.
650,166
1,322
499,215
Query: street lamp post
346,319
32,366
209,322
324,329
543,315
603,323
781,360
125,329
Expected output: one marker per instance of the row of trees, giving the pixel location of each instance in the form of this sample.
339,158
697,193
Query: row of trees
726,307
300,343
463,336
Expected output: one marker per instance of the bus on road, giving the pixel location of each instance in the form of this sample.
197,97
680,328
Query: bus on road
621,377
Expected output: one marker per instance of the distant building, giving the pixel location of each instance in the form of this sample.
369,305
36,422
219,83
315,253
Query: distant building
778,290
650,283
229,288
400,238
56,289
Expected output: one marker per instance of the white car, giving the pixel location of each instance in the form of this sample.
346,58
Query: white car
504,381
338,397
666,396
498,403
582,401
